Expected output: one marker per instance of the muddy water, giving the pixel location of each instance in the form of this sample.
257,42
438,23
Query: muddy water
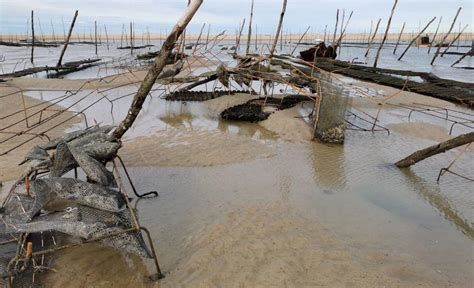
262,205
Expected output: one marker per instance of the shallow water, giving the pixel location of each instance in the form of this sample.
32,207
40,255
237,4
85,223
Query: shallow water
308,214
416,59
398,224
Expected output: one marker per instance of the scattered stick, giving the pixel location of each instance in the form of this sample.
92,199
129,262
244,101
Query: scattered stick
386,33
445,36
416,37
67,39
436,149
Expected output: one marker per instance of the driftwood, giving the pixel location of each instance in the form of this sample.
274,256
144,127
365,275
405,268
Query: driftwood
454,91
67,68
22,43
198,96
436,149
134,47
156,69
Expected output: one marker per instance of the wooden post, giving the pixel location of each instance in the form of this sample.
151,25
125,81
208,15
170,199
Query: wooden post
67,39
299,41
342,24
454,40
208,32
470,52
436,33
249,36
343,30
256,37
156,69
32,37
52,28
386,33
121,37
335,29
95,29
106,36
445,36
416,37
237,44
131,38
199,38
436,149
280,23
64,29
325,30
399,37
370,33
373,37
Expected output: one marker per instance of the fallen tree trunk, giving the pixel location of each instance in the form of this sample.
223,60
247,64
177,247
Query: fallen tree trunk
156,69
435,149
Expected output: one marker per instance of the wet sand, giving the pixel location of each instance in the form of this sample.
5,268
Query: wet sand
262,205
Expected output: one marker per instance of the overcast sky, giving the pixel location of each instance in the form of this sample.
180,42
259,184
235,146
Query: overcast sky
226,14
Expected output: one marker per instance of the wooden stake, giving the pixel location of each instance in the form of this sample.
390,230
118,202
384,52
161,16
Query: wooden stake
249,35
95,29
416,37
299,41
199,38
208,32
106,36
237,44
67,39
335,29
32,37
373,37
386,33
156,69
121,37
436,33
343,30
445,36
52,28
399,37
470,52
436,149
131,38
280,23
455,39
